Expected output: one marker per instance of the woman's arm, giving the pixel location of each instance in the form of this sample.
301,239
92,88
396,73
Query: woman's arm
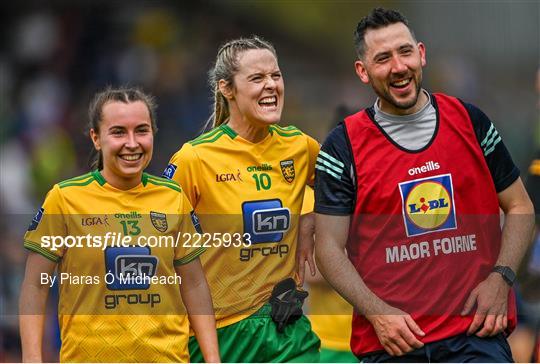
198,302
32,306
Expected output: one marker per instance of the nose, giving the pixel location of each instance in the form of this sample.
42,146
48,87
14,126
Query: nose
398,66
270,83
131,141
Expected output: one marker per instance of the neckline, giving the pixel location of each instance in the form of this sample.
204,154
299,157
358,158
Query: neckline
402,119
234,135
103,182
371,114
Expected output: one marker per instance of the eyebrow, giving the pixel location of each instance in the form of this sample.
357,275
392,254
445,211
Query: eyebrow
386,53
405,46
264,73
123,127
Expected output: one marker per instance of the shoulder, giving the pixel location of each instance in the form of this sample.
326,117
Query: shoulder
71,188
160,183
292,133
75,187
474,112
79,181
337,138
211,137
289,131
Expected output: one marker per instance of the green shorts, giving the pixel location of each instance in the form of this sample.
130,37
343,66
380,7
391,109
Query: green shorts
338,356
256,339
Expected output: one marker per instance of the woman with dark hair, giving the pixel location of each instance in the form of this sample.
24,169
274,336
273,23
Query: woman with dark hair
120,296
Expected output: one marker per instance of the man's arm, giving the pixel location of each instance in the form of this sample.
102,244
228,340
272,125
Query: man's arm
395,329
491,295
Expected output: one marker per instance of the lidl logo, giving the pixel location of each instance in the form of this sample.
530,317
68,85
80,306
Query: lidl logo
428,205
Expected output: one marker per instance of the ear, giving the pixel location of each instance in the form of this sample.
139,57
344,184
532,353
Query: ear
95,139
361,71
225,89
422,50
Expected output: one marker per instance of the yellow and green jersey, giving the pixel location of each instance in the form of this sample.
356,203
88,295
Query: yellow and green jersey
121,302
252,191
330,316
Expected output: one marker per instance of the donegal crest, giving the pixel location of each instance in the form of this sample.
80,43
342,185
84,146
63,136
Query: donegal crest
159,221
287,169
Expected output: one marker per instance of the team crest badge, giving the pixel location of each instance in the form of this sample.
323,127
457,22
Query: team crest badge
159,221
287,169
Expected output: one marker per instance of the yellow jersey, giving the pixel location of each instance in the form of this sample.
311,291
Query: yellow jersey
330,316
253,193
119,298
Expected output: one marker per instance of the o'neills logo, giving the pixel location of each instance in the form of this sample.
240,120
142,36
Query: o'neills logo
130,215
262,167
429,166
229,177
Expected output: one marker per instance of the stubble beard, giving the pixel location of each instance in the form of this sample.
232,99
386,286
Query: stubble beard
387,96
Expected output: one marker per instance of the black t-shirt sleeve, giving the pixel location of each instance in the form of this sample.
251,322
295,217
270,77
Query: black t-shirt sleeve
335,190
501,166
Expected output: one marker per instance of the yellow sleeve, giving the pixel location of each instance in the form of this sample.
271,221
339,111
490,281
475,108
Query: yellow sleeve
189,224
184,168
313,150
309,201
47,224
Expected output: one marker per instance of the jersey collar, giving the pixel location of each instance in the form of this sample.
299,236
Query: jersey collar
101,180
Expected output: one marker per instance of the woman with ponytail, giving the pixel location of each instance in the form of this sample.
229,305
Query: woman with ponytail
246,179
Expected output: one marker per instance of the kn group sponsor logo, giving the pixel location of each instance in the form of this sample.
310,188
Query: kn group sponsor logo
159,220
131,267
266,221
287,169
169,171
428,205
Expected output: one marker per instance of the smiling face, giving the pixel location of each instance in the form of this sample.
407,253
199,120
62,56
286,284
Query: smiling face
392,64
126,140
256,96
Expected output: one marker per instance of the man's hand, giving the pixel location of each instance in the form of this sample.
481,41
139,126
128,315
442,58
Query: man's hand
491,298
306,245
396,331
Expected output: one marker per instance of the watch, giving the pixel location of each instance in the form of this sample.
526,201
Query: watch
507,273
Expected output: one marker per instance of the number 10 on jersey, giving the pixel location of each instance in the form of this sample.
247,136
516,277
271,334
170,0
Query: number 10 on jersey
262,180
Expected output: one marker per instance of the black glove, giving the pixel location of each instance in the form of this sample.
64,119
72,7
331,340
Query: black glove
286,302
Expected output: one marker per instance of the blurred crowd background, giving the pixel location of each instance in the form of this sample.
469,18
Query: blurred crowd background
55,55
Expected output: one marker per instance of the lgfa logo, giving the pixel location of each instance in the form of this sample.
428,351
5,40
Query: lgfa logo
229,177
428,205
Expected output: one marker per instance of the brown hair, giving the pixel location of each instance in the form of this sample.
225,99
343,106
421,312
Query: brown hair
124,94
225,68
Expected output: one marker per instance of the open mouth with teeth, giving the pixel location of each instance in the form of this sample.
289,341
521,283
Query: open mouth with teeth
131,157
268,102
401,84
